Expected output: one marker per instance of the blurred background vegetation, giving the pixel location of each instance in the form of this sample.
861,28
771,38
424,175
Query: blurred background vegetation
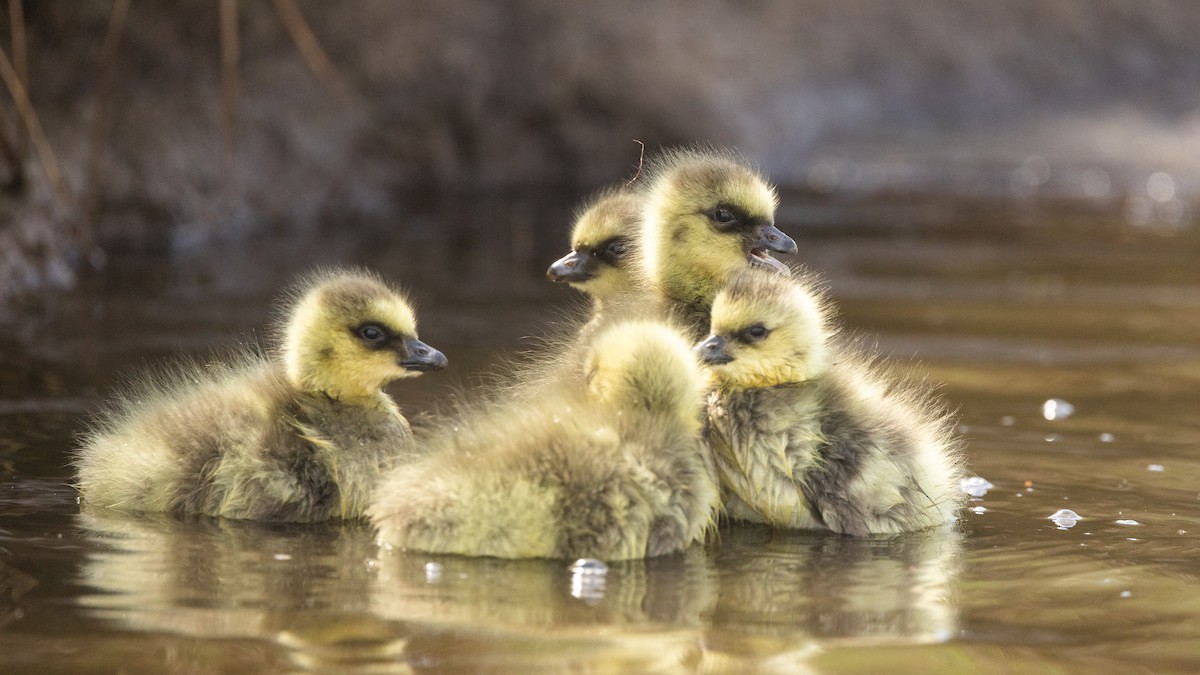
162,127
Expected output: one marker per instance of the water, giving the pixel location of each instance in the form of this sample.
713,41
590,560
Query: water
1007,307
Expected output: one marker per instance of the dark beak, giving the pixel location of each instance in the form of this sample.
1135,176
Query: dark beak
574,266
712,351
771,239
421,357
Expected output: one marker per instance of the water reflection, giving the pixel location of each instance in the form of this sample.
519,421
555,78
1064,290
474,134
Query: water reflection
527,615
303,587
760,600
894,590
326,597
155,564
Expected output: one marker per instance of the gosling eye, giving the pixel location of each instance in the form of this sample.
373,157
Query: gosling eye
618,248
755,333
372,335
723,215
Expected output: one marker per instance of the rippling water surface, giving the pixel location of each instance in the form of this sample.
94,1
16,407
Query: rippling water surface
1005,307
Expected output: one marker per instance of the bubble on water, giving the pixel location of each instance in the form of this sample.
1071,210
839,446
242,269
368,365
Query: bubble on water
1107,438
976,486
1127,521
282,556
433,572
588,566
1160,186
1156,467
1053,438
1033,172
588,580
1126,594
1173,212
1008,421
1065,519
1057,409
979,510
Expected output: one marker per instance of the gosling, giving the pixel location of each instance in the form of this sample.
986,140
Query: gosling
601,262
298,435
616,472
601,265
707,215
807,435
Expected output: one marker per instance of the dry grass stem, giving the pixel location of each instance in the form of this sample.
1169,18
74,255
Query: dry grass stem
310,47
38,137
11,153
641,159
20,52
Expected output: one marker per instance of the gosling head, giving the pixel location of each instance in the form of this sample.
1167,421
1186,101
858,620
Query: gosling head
346,333
767,330
602,246
707,216
645,365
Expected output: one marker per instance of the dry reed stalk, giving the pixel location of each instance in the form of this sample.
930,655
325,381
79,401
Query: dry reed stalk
310,47
102,117
20,53
11,147
38,137
11,153
641,159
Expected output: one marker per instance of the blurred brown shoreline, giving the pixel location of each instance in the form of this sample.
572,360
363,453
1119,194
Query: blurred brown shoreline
1090,103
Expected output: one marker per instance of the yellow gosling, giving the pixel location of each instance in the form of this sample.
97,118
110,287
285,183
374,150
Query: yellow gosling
807,434
707,215
618,471
602,262
299,434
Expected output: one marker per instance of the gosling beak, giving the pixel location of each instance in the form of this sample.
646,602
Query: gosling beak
711,351
572,267
770,238
421,357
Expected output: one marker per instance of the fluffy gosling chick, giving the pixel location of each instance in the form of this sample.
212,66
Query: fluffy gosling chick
807,436
299,435
616,472
602,266
600,263
707,216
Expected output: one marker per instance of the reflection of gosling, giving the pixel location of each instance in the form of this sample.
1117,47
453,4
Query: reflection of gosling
807,436
295,436
600,263
707,216
616,472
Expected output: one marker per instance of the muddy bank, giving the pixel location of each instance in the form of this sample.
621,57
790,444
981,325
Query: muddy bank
1087,101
